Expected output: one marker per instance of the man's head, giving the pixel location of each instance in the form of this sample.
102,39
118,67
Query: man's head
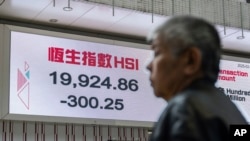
186,49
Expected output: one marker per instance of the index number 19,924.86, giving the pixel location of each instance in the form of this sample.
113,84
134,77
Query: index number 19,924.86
93,81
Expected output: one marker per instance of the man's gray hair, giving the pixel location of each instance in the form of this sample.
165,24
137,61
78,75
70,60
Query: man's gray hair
182,32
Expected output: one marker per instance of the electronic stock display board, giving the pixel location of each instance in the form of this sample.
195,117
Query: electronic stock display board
58,77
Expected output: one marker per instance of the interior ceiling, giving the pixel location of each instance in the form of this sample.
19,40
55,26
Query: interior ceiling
134,17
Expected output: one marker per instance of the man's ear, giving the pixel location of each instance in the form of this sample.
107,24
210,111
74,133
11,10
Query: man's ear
193,58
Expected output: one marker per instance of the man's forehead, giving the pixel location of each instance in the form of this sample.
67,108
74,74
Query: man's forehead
158,39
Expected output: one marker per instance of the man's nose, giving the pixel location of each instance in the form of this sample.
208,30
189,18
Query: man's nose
149,66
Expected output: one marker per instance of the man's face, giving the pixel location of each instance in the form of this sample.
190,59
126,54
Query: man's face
166,69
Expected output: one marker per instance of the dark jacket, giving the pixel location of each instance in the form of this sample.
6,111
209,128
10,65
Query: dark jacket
199,113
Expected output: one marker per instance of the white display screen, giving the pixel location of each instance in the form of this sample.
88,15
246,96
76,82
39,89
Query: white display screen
58,77
53,76
234,81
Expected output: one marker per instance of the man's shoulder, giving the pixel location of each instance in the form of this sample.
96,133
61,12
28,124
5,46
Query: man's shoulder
190,95
199,92
208,103
195,100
